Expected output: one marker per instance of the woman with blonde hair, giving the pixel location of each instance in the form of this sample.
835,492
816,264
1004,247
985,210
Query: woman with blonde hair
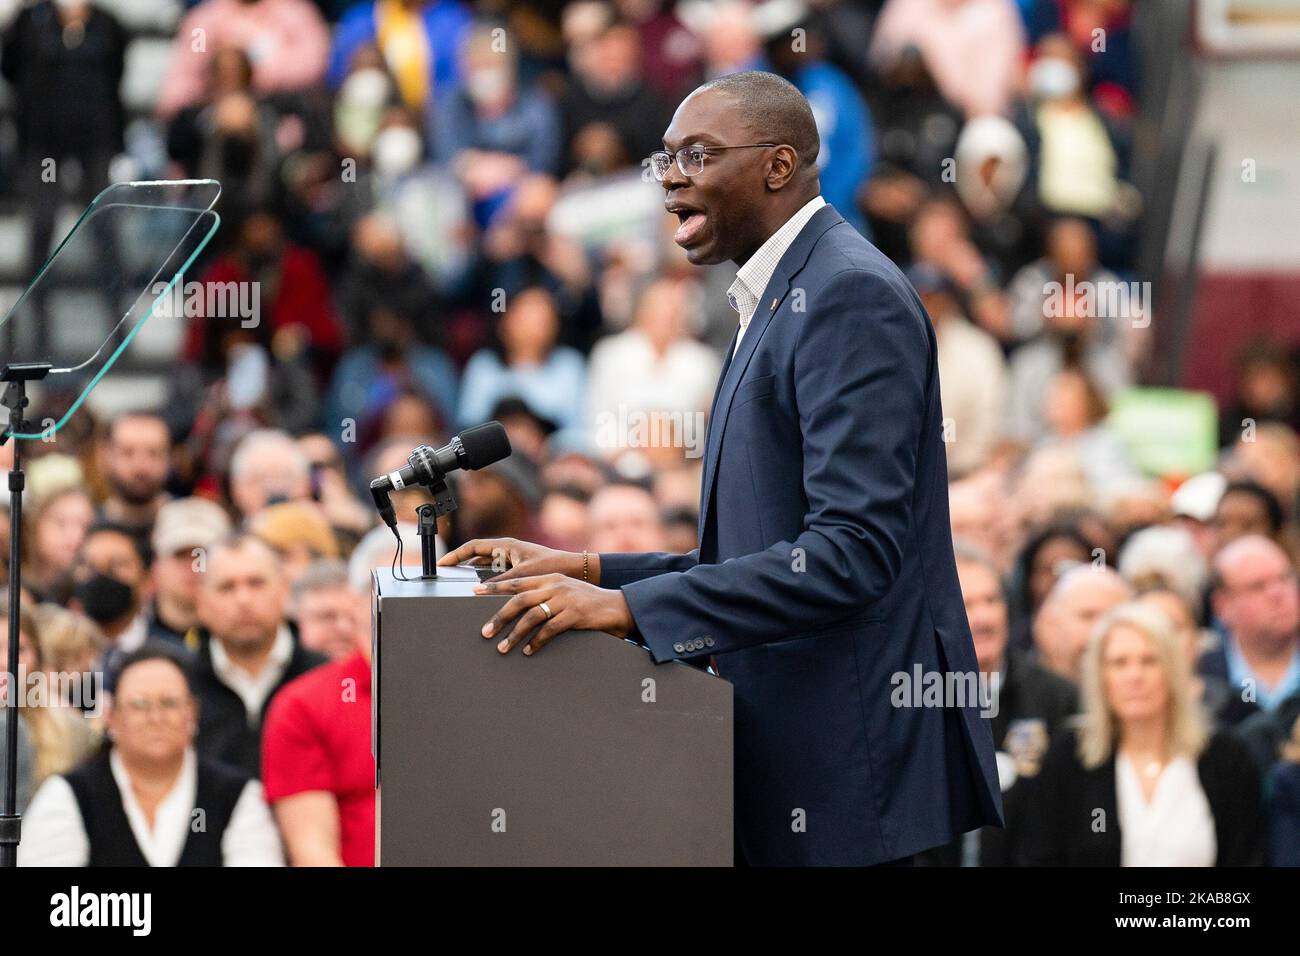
70,644
60,736
55,527
1139,782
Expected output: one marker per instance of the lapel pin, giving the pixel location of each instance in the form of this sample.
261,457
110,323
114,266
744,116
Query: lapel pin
774,302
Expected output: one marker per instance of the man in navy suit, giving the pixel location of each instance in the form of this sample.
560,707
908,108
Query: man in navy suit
824,585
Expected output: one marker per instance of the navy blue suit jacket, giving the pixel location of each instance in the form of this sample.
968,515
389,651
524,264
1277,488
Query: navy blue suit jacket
825,568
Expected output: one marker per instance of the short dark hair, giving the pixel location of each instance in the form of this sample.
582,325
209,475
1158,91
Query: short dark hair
155,650
239,539
1272,507
773,110
135,535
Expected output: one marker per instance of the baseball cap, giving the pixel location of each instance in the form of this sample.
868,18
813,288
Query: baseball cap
187,523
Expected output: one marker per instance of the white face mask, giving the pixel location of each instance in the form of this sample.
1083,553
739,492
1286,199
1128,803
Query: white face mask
1051,78
488,85
366,88
360,106
397,150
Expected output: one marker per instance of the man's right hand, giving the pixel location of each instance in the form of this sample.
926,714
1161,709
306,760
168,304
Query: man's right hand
513,558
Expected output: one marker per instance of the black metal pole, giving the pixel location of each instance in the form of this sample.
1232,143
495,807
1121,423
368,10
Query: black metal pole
10,819
16,375
427,525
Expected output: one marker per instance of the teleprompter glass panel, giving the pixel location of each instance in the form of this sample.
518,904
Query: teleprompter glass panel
118,266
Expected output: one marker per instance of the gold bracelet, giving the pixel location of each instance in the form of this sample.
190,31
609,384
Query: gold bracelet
585,559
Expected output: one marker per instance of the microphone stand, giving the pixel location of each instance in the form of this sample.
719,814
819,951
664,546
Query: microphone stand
427,515
17,375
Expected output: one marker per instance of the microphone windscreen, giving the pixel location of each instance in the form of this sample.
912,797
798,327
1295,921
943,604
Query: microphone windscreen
484,444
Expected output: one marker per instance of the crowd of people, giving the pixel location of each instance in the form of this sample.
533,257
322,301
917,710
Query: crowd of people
446,210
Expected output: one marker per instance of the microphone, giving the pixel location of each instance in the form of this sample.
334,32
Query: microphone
471,450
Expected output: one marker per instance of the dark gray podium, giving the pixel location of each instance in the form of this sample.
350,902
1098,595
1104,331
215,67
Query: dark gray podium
588,754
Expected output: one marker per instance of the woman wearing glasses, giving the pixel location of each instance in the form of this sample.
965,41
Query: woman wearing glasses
148,799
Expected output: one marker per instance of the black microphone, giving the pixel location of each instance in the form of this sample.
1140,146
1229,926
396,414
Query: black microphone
471,450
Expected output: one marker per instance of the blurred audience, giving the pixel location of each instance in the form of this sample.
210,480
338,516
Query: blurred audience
528,363
972,374
318,768
333,617
246,649
53,737
267,468
973,48
68,105
1256,604
110,585
624,517
1026,704
134,804
286,41
1140,782
57,523
1064,623
135,461
183,535
298,533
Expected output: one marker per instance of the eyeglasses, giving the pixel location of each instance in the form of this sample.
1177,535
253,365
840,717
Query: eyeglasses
690,159
169,708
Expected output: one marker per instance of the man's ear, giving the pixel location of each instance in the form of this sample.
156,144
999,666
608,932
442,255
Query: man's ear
781,169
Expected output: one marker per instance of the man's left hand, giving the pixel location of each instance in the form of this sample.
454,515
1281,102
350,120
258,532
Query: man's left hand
573,605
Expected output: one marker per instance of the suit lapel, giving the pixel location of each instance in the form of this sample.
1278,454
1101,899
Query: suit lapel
733,370
722,376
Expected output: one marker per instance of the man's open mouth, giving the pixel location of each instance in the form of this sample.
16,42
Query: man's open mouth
691,222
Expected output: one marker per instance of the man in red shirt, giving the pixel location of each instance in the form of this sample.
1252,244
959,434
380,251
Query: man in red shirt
318,773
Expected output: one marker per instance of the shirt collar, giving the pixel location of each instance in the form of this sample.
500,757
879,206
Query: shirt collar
276,661
752,278
135,634
1240,675
163,842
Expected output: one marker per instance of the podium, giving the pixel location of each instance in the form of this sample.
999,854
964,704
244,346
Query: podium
588,754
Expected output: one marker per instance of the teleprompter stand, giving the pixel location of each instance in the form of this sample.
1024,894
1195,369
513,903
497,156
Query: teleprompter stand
15,376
